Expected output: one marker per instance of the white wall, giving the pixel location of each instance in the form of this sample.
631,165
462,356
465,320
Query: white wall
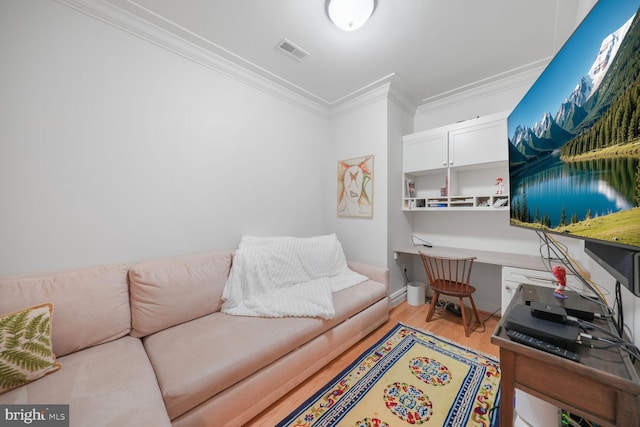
399,222
113,149
630,303
481,101
357,133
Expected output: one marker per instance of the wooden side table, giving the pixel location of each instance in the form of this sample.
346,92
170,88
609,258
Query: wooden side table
603,387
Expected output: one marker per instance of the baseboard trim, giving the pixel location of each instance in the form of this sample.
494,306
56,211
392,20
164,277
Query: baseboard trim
398,297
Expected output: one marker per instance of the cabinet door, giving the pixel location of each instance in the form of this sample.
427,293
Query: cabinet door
479,143
424,152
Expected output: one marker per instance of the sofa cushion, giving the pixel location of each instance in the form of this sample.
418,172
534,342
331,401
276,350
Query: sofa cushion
25,347
171,291
196,360
111,384
95,298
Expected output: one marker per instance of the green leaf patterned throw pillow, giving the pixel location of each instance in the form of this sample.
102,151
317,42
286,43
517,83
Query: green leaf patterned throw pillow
25,346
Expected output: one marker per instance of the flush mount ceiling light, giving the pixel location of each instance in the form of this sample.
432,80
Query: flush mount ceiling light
349,15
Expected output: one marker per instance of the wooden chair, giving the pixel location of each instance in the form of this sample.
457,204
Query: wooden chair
450,276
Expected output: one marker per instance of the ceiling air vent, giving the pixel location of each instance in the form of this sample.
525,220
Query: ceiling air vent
285,46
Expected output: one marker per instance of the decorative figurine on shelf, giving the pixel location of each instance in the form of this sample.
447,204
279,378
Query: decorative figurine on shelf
500,185
561,275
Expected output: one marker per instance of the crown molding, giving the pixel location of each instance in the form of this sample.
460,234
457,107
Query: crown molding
140,22
137,21
391,87
372,94
194,48
519,77
403,95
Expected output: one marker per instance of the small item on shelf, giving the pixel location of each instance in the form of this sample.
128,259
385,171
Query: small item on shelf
500,185
411,189
444,191
500,202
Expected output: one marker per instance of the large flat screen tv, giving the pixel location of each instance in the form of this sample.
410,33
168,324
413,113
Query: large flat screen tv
574,138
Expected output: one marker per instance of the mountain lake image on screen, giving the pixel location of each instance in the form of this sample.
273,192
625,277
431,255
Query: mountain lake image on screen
574,138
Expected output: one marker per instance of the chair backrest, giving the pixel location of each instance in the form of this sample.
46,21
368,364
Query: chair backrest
448,274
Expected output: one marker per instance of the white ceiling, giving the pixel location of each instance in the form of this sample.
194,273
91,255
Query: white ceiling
436,47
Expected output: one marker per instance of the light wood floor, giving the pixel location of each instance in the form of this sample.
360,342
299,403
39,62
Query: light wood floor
444,324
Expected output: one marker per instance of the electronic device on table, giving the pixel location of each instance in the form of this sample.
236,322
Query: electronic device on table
541,345
563,335
574,304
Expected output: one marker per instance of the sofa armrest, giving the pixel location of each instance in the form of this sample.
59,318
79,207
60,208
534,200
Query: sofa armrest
375,273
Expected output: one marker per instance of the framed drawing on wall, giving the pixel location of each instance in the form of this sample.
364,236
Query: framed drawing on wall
355,187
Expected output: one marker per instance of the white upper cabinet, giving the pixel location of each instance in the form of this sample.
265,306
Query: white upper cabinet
478,141
458,166
425,151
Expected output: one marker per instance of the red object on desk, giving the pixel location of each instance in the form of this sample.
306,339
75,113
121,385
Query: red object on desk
561,276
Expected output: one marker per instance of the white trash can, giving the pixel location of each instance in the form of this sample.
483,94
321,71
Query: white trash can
415,293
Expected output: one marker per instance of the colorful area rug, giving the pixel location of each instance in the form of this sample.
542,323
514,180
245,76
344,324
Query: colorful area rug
409,377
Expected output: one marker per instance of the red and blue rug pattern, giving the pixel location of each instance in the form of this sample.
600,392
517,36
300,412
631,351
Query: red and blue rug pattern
409,377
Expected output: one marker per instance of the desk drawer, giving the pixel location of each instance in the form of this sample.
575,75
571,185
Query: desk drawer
566,388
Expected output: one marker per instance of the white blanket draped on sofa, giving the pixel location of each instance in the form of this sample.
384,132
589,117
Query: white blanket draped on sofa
287,276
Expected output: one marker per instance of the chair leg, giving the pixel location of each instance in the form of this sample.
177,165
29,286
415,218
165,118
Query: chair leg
475,310
474,314
464,318
432,305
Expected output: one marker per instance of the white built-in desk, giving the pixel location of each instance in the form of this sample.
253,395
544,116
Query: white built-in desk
504,259
515,269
